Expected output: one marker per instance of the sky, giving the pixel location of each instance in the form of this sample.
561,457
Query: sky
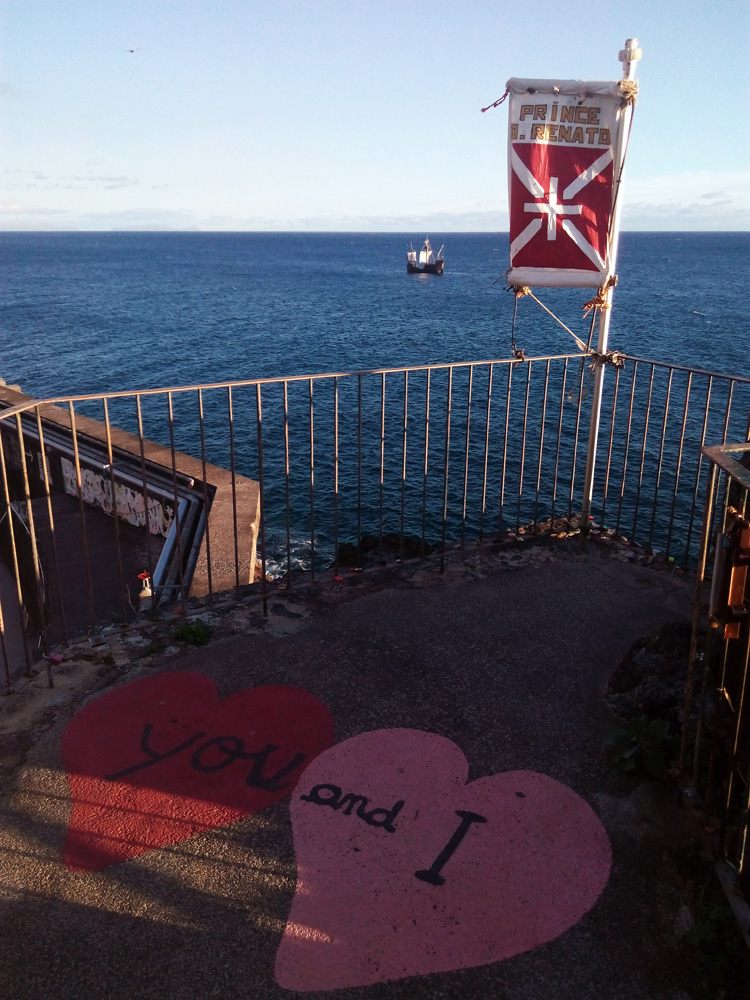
349,115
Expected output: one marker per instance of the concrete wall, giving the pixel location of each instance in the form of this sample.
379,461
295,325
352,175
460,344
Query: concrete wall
129,503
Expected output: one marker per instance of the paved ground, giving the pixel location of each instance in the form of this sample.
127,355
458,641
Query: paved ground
509,659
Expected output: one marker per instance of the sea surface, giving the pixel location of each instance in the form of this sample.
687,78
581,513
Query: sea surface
96,312
88,312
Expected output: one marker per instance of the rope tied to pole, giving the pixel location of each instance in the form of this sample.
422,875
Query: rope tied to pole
628,91
497,103
614,358
599,301
520,291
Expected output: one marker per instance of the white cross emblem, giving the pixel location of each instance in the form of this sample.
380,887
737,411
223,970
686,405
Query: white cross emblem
552,209
555,208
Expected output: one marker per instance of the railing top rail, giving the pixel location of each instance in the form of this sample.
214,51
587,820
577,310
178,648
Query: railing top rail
32,404
723,456
275,380
686,368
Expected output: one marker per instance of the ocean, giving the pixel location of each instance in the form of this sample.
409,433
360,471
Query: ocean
95,312
92,312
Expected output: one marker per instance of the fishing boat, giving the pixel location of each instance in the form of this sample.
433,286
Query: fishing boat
424,261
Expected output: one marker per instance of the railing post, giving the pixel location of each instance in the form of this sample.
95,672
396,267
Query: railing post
596,406
628,57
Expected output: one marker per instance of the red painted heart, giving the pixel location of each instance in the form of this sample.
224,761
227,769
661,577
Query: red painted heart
163,759
404,869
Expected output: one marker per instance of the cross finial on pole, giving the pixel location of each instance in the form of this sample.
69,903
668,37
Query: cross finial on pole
628,56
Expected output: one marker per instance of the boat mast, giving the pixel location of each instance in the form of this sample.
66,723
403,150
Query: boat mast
628,56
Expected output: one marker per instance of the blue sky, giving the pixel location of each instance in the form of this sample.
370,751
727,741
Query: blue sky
334,115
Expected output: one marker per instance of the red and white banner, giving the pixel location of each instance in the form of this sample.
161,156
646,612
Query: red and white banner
564,153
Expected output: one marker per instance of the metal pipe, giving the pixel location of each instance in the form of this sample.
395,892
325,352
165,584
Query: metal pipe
446,463
287,513
115,511
467,439
176,514
261,487
488,413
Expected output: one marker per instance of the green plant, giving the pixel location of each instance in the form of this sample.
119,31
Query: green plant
195,633
643,744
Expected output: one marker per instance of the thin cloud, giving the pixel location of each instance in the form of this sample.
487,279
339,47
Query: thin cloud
68,182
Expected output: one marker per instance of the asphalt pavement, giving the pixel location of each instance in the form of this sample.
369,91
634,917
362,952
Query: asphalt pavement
561,876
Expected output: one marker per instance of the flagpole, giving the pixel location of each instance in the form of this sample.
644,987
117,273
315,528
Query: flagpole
629,56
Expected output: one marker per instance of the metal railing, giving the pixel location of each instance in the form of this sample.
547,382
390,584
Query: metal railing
363,467
715,745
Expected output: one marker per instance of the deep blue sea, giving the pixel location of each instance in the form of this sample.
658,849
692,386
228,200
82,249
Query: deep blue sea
86,312
94,312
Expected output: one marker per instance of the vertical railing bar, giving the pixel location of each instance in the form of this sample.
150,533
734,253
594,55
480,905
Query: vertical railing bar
144,483
115,513
261,485
206,505
738,727
84,528
727,415
446,461
175,495
4,651
382,466
721,686
559,442
576,434
660,459
710,767
523,444
287,511
505,440
403,463
612,420
38,579
466,452
678,470
14,554
745,811
426,459
359,470
311,415
693,651
626,449
233,471
335,475
541,446
51,520
743,837
727,411
739,711
487,417
646,420
698,468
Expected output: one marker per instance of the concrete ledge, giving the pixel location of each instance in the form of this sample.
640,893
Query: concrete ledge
217,489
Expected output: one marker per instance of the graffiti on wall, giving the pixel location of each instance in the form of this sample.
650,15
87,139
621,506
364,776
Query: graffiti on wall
163,758
404,869
96,490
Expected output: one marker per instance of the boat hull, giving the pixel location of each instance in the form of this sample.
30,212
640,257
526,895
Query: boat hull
436,268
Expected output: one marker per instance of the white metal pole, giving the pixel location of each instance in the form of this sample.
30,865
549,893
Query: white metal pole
628,57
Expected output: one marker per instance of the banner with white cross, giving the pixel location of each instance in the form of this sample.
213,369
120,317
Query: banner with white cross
565,156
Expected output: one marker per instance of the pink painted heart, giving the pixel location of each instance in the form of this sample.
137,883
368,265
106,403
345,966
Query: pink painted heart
164,758
404,869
